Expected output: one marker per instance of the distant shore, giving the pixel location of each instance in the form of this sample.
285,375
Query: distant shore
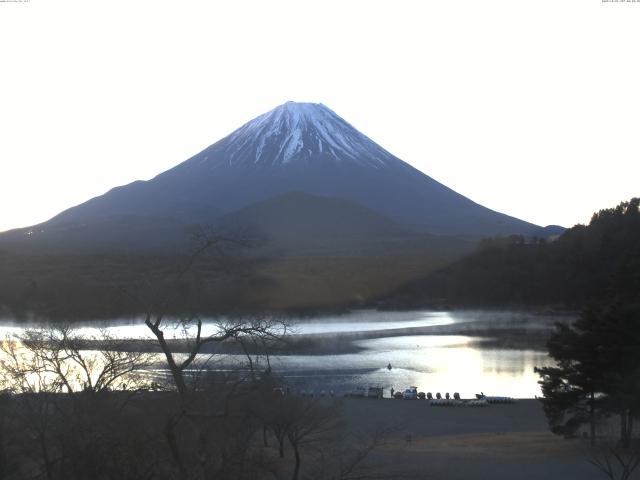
486,335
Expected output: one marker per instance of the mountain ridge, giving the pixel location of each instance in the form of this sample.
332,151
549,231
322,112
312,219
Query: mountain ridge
300,147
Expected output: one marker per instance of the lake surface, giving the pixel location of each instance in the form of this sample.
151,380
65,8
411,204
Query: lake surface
436,351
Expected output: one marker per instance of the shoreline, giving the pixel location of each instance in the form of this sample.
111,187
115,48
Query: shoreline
318,344
484,334
501,441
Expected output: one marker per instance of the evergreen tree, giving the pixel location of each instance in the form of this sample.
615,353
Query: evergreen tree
571,388
597,372
619,332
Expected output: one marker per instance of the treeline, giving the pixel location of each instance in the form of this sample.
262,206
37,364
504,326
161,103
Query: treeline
104,286
585,264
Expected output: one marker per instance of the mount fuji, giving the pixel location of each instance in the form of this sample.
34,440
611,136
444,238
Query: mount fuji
302,149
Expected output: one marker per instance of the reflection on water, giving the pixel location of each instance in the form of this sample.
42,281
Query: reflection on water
436,363
366,321
433,363
355,321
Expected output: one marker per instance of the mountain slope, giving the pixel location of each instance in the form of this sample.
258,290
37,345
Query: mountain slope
299,223
295,147
101,234
300,216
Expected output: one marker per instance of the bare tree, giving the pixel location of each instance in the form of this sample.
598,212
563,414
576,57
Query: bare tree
64,385
186,287
70,385
173,306
352,459
310,423
615,460
61,360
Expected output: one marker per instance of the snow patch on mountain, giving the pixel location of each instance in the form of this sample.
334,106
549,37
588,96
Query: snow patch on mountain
304,132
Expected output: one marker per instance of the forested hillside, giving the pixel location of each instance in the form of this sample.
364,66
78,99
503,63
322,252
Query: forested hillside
586,263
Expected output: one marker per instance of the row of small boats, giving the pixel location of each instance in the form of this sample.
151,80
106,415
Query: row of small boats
412,393
443,402
479,401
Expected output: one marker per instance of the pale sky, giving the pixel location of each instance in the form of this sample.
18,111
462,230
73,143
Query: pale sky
528,107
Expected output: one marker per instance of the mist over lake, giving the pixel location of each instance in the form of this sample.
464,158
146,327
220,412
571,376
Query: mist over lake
439,351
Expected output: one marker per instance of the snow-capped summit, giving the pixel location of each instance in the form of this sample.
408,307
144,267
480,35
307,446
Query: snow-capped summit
301,132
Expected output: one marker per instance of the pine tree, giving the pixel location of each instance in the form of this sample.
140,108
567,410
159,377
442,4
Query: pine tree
597,372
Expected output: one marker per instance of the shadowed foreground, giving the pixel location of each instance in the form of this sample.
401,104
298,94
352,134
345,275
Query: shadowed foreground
497,442
114,435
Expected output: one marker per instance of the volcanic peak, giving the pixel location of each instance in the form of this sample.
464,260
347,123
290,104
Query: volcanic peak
301,131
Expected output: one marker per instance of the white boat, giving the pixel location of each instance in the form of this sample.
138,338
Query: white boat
410,393
494,399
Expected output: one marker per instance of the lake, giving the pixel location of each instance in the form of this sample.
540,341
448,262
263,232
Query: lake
454,351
